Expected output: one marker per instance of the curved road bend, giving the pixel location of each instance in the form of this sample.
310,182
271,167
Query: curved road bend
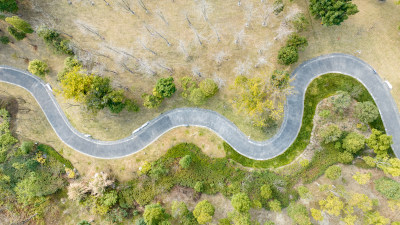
304,74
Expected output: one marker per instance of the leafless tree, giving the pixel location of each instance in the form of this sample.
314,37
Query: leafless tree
188,20
219,81
196,71
145,67
220,57
292,13
148,29
127,68
283,31
108,4
162,65
266,10
249,14
242,68
216,33
91,30
261,61
143,44
161,36
239,38
143,6
204,8
182,48
161,15
193,29
124,4
239,2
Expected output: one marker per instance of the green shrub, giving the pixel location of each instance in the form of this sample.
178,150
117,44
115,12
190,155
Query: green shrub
366,112
388,188
4,40
26,147
379,142
345,157
208,87
203,212
296,41
165,87
20,24
16,34
154,214
354,142
185,161
38,68
53,38
331,133
266,192
151,101
115,101
304,192
197,96
280,79
131,106
340,101
199,186
241,202
300,22
278,6
325,114
83,222
333,172
188,85
288,55
8,6
298,213
275,205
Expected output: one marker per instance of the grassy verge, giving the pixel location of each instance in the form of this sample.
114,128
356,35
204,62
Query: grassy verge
320,88
54,154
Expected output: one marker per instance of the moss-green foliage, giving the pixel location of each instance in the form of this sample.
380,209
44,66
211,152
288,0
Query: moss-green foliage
154,214
354,142
6,138
203,212
164,88
215,174
8,6
181,213
19,24
299,214
208,87
333,172
185,161
288,55
366,112
53,38
319,89
4,40
300,22
280,79
379,142
241,202
38,68
151,101
197,96
278,6
331,133
388,188
26,147
332,12
341,101
297,41
16,34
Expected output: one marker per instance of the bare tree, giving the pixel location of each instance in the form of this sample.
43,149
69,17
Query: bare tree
261,61
220,57
162,65
242,68
292,13
145,67
182,48
204,8
161,36
266,13
196,71
161,15
193,29
239,38
249,14
108,4
143,44
283,31
91,30
216,33
143,6
124,4
219,81
148,29
239,2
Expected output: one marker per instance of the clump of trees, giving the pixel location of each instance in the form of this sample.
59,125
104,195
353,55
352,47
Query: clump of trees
94,90
203,212
55,40
332,12
8,6
198,94
289,54
379,142
37,67
164,88
19,27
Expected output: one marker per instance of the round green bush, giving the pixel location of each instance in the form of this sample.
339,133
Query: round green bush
197,96
354,142
37,67
366,112
333,172
288,55
185,161
241,202
208,87
388,188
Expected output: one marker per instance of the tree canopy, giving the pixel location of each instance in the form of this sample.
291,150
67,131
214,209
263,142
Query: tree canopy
20,24
154,214
332,12
241,202
164,88
37,67
203,212
379,142
8,6
366,112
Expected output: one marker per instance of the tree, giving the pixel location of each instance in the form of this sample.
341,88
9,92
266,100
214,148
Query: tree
20,24
165,87
280,79
340,101
361,201
316,214
375,218
390,166
188,85
4,40
388,188
203,212
379,142
154,214
240,218
115,101
151,101
331,133
332,204
8,6
182,214
16,34
332,12
362,178
354,142
100,87
266,191
208,87
241,202
366,112
84,222
37,67
288,55
76,84
369,161
185,161
54,39
333,172
300,22
197,96
26,147
296,41
345,157
298,213
275,205
304,192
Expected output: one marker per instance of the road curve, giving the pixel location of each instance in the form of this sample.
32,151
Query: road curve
149,132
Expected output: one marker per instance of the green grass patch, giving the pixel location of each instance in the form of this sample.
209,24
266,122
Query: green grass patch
319,89
49,151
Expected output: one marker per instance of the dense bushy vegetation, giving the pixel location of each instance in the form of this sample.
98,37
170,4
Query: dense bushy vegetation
198,94
95,91
164,88
37,67
332,12
53,38
8,6
289,54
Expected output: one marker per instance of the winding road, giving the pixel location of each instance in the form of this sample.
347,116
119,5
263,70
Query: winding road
149,132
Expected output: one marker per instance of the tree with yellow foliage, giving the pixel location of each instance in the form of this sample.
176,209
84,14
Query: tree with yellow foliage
76,84
332,204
